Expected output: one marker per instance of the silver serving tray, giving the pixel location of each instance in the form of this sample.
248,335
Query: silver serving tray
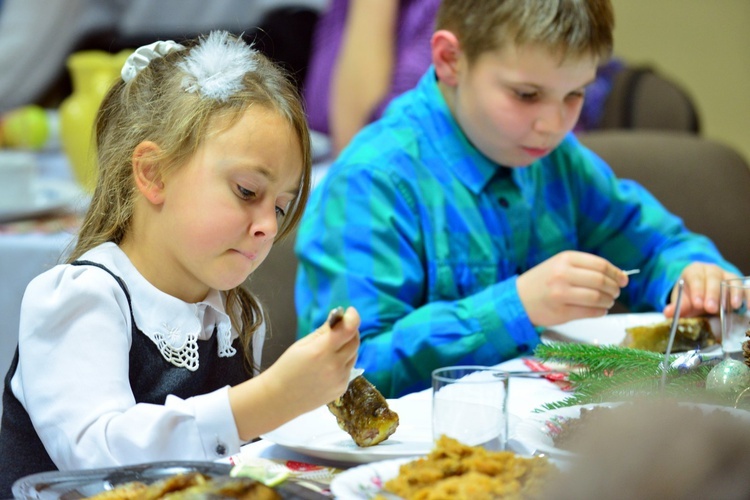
73,485
61,485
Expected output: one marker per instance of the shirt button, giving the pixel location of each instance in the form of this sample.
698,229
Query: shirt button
504,203
221,450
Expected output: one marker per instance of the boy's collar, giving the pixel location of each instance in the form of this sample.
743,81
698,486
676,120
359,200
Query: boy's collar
477,170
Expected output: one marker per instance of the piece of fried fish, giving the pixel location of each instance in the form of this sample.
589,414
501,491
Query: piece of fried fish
364,414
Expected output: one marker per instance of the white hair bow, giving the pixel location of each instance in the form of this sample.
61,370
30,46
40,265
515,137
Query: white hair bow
144,55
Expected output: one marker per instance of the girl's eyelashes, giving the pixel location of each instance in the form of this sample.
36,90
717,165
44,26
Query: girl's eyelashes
245,194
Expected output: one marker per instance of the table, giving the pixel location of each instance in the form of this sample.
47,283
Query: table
524,396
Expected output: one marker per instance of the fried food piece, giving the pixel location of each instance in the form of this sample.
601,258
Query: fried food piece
364,414
228,487
458,471
126,491
692,333
193,485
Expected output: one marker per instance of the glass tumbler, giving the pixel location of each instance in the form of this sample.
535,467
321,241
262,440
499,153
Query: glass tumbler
470,404
735,316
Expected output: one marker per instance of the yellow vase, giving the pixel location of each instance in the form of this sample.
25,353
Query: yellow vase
92,73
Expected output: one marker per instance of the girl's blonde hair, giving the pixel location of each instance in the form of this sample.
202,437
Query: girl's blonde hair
570,28
155,106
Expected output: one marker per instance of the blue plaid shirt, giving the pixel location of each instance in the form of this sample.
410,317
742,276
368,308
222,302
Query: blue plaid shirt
425,236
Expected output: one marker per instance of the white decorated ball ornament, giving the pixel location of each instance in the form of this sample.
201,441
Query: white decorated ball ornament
729,376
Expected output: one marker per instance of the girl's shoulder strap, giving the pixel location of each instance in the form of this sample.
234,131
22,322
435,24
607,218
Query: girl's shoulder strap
108,271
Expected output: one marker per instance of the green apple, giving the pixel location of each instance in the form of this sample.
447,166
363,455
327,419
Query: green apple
26,127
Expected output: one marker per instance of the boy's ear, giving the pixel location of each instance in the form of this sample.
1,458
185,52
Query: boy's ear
147,172
445,54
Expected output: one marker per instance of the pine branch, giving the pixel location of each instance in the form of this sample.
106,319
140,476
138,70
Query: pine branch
598,357
614,373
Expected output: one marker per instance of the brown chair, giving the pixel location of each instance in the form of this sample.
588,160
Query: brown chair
643,98
273,284
703,181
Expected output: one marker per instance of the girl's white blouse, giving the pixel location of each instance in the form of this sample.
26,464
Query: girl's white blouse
72,376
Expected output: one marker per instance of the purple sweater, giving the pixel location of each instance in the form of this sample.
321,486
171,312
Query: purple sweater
416,19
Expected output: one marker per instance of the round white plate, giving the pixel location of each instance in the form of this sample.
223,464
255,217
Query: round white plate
535,432
606,330
49,195
365,481
317,434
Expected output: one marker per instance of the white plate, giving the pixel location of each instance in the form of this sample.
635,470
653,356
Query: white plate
49,195
605,330
317,434
535,432
365,481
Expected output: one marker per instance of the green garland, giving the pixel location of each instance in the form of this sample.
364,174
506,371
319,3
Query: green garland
613,373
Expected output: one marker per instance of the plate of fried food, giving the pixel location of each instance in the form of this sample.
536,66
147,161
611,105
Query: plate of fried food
173,479
360,427
451,470
648,331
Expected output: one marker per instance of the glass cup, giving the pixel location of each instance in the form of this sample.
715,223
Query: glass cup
17,173
470,404
735,315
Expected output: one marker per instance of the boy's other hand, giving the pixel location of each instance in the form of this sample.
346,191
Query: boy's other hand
570,285
702,290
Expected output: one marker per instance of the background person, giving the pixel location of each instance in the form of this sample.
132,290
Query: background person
469,217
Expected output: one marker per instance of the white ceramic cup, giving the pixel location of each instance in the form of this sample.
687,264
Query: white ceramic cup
17,173
470,404
735,315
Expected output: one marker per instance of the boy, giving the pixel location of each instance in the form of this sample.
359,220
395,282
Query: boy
469,217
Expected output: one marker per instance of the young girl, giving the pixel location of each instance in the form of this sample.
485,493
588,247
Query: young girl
144,346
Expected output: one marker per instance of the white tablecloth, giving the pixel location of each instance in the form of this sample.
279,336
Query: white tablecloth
524,396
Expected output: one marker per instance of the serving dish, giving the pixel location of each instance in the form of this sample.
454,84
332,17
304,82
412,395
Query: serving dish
72,485
49,195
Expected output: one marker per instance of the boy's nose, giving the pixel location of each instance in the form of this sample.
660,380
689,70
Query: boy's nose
552,120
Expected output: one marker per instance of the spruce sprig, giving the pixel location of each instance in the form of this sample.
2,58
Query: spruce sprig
614,373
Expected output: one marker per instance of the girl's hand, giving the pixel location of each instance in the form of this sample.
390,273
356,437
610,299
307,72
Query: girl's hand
702,291
310,373
317,366
570,285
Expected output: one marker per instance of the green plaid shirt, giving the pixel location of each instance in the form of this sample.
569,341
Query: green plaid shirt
425,236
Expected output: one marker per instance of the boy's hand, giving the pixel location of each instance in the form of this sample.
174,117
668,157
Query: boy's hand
570,285
702,290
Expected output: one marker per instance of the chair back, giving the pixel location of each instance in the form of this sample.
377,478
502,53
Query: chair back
703,181
642,98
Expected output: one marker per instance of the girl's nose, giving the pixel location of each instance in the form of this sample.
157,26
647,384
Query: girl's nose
265,223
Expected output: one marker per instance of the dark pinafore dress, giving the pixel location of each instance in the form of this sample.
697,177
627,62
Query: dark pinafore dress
152,379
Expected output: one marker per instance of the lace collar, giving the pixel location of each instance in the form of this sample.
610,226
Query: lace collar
173,325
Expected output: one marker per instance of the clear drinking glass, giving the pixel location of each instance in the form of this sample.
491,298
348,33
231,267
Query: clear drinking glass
735,316
470,404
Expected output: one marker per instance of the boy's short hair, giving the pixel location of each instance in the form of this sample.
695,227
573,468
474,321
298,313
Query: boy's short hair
572,28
